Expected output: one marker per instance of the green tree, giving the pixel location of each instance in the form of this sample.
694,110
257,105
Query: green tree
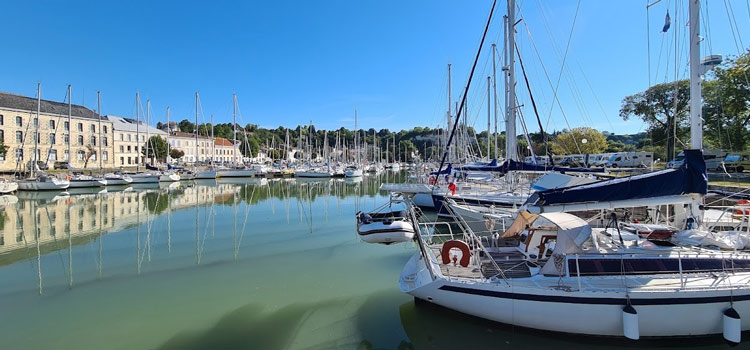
186,126
175,153
3,148
157,148
660,107
726,107
573,142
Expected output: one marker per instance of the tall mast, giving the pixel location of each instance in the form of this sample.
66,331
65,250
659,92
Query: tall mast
510,123
448,117
489,83
168,135
137,132
234,126
494,90
148,121
70,125
213,141
195,163
356,138
696,115
36,125
99,113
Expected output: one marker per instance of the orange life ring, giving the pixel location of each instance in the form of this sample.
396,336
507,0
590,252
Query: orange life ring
67,177
465,252
743,203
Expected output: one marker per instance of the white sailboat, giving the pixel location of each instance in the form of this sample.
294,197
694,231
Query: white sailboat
38,181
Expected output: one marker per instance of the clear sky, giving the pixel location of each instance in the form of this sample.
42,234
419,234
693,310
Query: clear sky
294,61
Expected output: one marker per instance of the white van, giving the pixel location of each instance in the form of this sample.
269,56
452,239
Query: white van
630,159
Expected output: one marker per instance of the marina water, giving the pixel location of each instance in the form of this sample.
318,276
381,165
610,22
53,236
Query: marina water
235,264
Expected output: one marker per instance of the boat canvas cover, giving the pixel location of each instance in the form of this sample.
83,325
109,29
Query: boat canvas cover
512,165
480,167
557,180
444,171
689,178
734,240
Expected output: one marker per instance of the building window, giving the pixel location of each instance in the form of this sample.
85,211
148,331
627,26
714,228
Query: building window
53,155
80,127
104,141
2,136
36,121
122,160
38,137
2,120
129,139
93,156
80,140
122,149
105,156
19,121
19,136
51,139
93,128
67,155
19,154
67,126
129,150
52,124
104,129
143,138
130,160
66,138
122,137
81,155
93,140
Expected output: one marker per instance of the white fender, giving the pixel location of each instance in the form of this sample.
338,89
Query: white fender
732,326
630,322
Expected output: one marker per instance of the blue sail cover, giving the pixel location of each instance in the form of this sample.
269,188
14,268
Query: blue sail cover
479,167
688,178
444,171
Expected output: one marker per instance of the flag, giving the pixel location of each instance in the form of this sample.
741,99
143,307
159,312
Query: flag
667,23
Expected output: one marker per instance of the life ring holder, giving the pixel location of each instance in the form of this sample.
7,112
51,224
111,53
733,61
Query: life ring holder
459,244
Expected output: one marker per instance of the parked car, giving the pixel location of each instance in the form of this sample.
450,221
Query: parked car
737,162
62,165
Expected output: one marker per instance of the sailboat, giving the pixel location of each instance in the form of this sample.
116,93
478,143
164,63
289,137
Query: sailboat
202,173
141,177
39,181
237,170
356,169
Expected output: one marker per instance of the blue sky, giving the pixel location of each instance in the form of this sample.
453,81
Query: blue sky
295,61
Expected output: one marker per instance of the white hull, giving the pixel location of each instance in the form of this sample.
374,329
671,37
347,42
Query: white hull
382,233
205,175
8,187
235,173
540,304
353,173
423,200
187,177
144,178
50,185
118,181
169,178
87,183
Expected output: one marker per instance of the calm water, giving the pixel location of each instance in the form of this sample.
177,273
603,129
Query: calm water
244,264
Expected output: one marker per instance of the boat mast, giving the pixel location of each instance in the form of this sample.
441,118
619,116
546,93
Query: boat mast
510,123
168,137
195,163
137,132
696,114
356,138
99,113
448,117
494,90
70,125
234,127
148,121
489,124
36,126
213,141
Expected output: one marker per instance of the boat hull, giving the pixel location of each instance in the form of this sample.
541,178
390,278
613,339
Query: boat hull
43,185
144,179
386,233
8,187
312,174
660,314
87,183
236,173
205,175
169,178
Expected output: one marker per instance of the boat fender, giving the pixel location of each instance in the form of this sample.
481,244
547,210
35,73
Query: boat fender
452,188
732,326
461,245
630,322
67,177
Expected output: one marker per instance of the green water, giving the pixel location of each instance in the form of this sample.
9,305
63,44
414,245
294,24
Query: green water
250,264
